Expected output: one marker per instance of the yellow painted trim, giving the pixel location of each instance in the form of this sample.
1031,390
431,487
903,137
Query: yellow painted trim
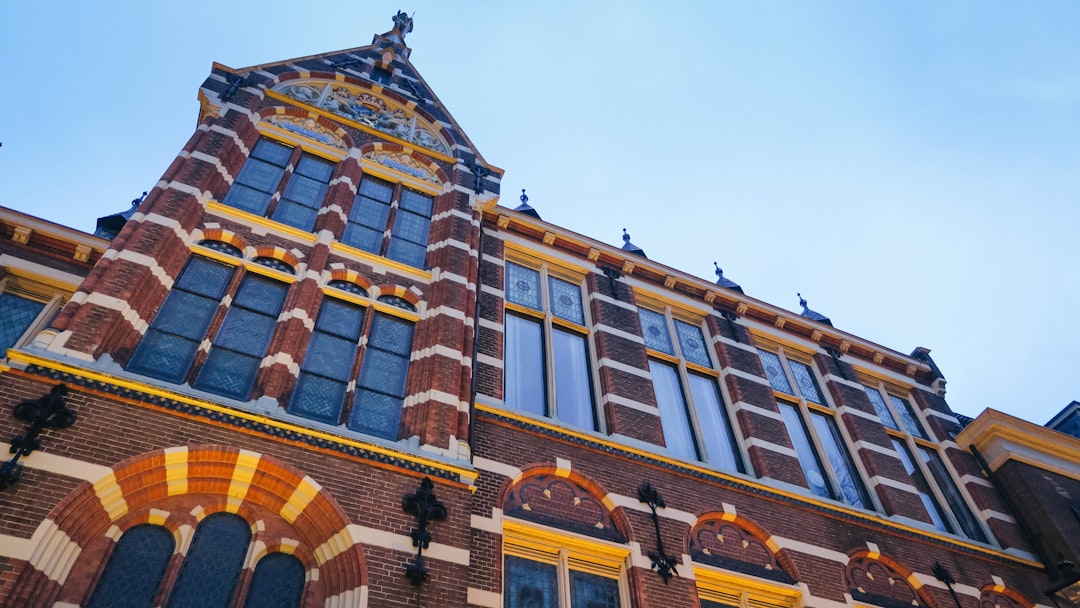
394,311
215,255
767,489
365,128
531,540
560,322
258,220
371,258
25,358
20,274
654,300
661,355
702,370
272,273
409,181
523,310
526,256
721,582
176,470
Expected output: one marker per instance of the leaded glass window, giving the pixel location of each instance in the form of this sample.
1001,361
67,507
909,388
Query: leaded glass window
304,193
882,410
559,580
242,340
850,484
274,263
774,370
926,494
264,175
593,591
168,348
531,584
804,449
804,379
907,415
211,570
380,390
135,568
260,177
327,366
547,370
953,497
17,314
693,418
222,247
278,582
390,220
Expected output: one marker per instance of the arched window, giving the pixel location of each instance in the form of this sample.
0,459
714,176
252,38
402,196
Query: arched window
134,570
278,582
212,568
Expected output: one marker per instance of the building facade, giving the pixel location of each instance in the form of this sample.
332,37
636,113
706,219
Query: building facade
321,365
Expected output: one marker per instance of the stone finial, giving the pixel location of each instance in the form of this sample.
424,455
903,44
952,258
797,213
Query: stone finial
630,247
524,207
725,282
403,23
810,314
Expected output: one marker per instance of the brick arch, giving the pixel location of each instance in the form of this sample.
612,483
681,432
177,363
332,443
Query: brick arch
179,486
564,499
278,253
416,155
890,584
409,295
736,543
338,272
346,140
993,595
220,234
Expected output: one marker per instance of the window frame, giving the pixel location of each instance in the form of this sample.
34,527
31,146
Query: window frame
390,234
806,410
721,587
27,288
915,446
549,323
685,371
567,552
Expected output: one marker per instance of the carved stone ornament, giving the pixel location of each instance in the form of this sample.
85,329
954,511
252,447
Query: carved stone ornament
403,162
359,105
307,127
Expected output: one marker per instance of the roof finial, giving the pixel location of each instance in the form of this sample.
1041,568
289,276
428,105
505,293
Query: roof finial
524,207
625,236
802,301
719,271
813,315
403,23
524,199
630,247
138,201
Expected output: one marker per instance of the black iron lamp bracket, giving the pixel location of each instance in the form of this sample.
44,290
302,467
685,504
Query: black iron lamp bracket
663,563
425,508
46,412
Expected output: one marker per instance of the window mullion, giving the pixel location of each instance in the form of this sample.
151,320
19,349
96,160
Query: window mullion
391,216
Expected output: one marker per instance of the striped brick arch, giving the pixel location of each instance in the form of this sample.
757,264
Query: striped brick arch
566,501
176,488
878,580
737,544
997,596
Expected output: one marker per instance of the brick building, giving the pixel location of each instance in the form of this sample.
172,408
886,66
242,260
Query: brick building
321,304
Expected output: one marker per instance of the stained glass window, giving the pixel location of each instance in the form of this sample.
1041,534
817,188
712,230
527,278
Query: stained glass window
274,263
692,343
851,485
523,286
882,410
566,300
804,378
259,178
774,370
278,582
242,340
530,584
16,315
655,331
907,415
397,302
327,365
369,214
409,238
303,195
135,568
375,215
223,247
380,389
593,591
349,287
212,567
168,348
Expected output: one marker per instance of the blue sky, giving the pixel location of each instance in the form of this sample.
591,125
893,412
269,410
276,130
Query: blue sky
910,167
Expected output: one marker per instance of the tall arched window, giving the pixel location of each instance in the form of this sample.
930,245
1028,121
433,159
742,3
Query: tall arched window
134,570
278,582
212,568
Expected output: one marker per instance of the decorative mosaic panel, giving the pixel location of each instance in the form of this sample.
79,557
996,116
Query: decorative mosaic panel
561,503
873,582
655,331
727,545
692,343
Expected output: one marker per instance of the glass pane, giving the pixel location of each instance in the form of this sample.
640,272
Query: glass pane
205,277
882,410
907,415
278,582
135,568
415,202
184,314
247,199
592,591
777,378
673,416
370,213
163,356
212,566
227,373
274,263
295,215
566,300
16,315
851,485
716,431
692,343
260,175
349,287
358,236
262,295
523,286
804,377
329,356
384,372
952,494
654,330
925,493
245,331
573,389
305,191
315,168
223,247
407,253
376,189
272,151
804,448
411,227
392,334
530,584
396,302
524,366
318,398
376,414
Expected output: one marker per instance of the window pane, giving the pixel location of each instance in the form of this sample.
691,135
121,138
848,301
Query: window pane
135,568
227,373
573,389
804,448
16,315
329,356
391,334
907,415
295,215
777,378
592,591
247,199
163,356
925,493
315,168
673,415
263,295
305,191
384,371
566,300
692,343
804,377
882,410
952,494
654,330
523,286
245,331
407,253
415,202
318,398
260,175
212,566
411,227
185,314
530,584
851,485
272,151
278,582
376,414
205,277
524,361
716,431
367,239
376,189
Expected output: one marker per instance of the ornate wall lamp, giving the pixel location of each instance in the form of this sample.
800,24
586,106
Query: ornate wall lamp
425,508
46,412
663,563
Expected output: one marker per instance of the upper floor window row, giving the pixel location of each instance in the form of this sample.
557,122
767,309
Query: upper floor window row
385,218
